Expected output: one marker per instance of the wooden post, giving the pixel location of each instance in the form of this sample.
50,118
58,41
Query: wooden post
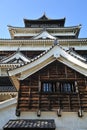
38,113
17,112
80,113
59,112
76,87
86,84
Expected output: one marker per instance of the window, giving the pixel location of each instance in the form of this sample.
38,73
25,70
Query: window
58,87
67,87
47,87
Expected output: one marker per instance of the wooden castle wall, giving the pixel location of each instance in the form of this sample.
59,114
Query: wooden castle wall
31,97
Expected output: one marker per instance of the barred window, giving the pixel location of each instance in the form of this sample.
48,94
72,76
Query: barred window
58,87
67,87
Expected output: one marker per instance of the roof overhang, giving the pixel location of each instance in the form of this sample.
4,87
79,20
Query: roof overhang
44,35
43,19
54,53
19,31
15,56
8,102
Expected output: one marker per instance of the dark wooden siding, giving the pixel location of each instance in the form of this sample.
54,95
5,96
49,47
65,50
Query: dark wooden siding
31,97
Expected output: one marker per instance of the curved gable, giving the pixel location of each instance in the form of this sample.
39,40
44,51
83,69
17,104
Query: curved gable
55,53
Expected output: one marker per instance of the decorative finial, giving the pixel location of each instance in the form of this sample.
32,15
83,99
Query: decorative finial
44,13
18,49
56,41
44,28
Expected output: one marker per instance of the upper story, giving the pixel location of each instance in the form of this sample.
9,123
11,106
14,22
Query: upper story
44,28
39,35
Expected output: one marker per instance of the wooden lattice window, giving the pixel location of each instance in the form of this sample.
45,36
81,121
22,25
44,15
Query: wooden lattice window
58,87
67,87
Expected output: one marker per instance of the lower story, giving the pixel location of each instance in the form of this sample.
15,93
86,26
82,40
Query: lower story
67,120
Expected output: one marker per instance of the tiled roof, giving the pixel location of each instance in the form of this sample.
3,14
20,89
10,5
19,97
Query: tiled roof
31,124
71,52
7,89
16,57
44,35
76,55
56,50
34,59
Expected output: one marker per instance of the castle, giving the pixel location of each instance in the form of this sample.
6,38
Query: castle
43,70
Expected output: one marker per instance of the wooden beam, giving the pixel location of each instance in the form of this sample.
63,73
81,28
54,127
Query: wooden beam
15,82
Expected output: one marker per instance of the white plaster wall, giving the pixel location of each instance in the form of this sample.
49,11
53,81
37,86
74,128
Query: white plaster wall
6,114
68,120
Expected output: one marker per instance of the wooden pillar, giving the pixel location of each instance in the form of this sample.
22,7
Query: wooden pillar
39,94
86,84
17,112
76,87
15,82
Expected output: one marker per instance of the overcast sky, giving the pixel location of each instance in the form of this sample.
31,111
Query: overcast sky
12,12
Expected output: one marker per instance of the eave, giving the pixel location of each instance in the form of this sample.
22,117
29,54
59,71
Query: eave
6,65
44,35
15,56
46,19
9,93
33,45
18,30
8,102
54,53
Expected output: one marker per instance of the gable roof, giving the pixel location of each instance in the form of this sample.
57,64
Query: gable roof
56,52
16,57
43,17
44,35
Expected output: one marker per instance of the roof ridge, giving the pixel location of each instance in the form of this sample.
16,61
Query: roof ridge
44,31
18,51
72,52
